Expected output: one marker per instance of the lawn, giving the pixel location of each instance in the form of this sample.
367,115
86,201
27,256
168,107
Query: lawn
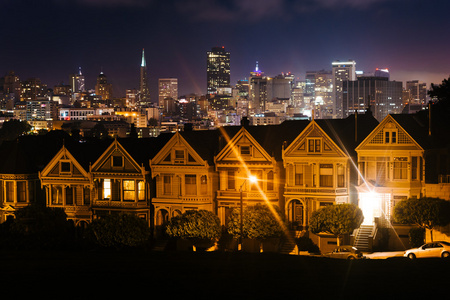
215,275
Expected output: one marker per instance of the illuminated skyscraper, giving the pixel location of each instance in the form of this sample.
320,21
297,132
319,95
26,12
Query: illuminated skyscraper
217,70
144,94
418,92
377,94
167,88
103,88
77,82
342,71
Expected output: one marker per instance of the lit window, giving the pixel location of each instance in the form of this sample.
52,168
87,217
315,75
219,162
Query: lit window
167,185
190,184
326,175
128,190
400,167
107,189
141,190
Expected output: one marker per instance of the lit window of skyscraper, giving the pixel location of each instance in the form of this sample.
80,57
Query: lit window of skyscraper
342,71
217,70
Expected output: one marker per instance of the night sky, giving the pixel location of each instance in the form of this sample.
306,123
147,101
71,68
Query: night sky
50,39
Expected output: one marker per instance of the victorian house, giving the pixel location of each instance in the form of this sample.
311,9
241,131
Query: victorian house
251,152
391,163
184,175
67,182
320,165
20,163
121,180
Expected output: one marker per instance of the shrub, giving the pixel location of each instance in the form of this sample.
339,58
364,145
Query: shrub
259,222
337,219
195,224
38,227
119,231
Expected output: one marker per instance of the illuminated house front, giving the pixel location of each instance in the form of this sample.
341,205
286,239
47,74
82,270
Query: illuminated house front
391,164
252,151
121,181
67,184
184,175
319,166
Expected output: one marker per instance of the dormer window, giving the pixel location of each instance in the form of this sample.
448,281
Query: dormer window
179,156
314,145
65,167
245,150
390,137
117,161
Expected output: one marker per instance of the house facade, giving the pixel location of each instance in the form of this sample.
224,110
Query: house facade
184,176
391,163
317,174
67,185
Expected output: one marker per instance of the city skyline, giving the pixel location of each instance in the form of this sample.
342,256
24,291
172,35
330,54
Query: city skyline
283,36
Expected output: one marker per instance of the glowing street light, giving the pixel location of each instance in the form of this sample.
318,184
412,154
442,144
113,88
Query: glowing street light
252,179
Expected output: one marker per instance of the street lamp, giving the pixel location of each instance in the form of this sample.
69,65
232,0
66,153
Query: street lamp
252,179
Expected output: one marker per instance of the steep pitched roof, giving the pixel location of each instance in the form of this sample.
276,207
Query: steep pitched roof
348,133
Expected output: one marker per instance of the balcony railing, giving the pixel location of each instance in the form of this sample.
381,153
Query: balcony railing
124,204
301,190
236,194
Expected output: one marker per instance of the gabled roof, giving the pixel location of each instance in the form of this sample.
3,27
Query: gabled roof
415,127
348,133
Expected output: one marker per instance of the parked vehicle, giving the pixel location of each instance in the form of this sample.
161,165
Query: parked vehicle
434,249
345,252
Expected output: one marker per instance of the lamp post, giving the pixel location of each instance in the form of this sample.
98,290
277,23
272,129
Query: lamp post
252,179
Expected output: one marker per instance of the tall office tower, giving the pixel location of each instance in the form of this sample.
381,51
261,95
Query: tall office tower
77,82
103,88
342,71
378,94
32,89
257,96
217,70
12,86
167,88
382,73
418,92
144,94
130,97
281,88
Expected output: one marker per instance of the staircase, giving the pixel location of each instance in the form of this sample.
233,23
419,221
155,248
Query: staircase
362,238
289,245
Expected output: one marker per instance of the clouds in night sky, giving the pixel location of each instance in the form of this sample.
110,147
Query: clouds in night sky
52,38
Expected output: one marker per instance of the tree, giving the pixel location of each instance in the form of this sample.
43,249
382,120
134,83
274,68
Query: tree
195,224
427,213
338,219
12,129
119,231
259,222
39,227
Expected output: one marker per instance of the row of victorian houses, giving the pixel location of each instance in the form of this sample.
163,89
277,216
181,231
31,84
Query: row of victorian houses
300,166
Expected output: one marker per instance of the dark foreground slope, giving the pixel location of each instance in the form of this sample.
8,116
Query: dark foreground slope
216,275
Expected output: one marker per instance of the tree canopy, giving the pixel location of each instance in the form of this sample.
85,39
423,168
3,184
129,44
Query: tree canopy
195,224
427,213
338,219
12,129
119,231
259,222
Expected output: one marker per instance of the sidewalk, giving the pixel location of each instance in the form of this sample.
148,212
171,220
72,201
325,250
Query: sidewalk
383,255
